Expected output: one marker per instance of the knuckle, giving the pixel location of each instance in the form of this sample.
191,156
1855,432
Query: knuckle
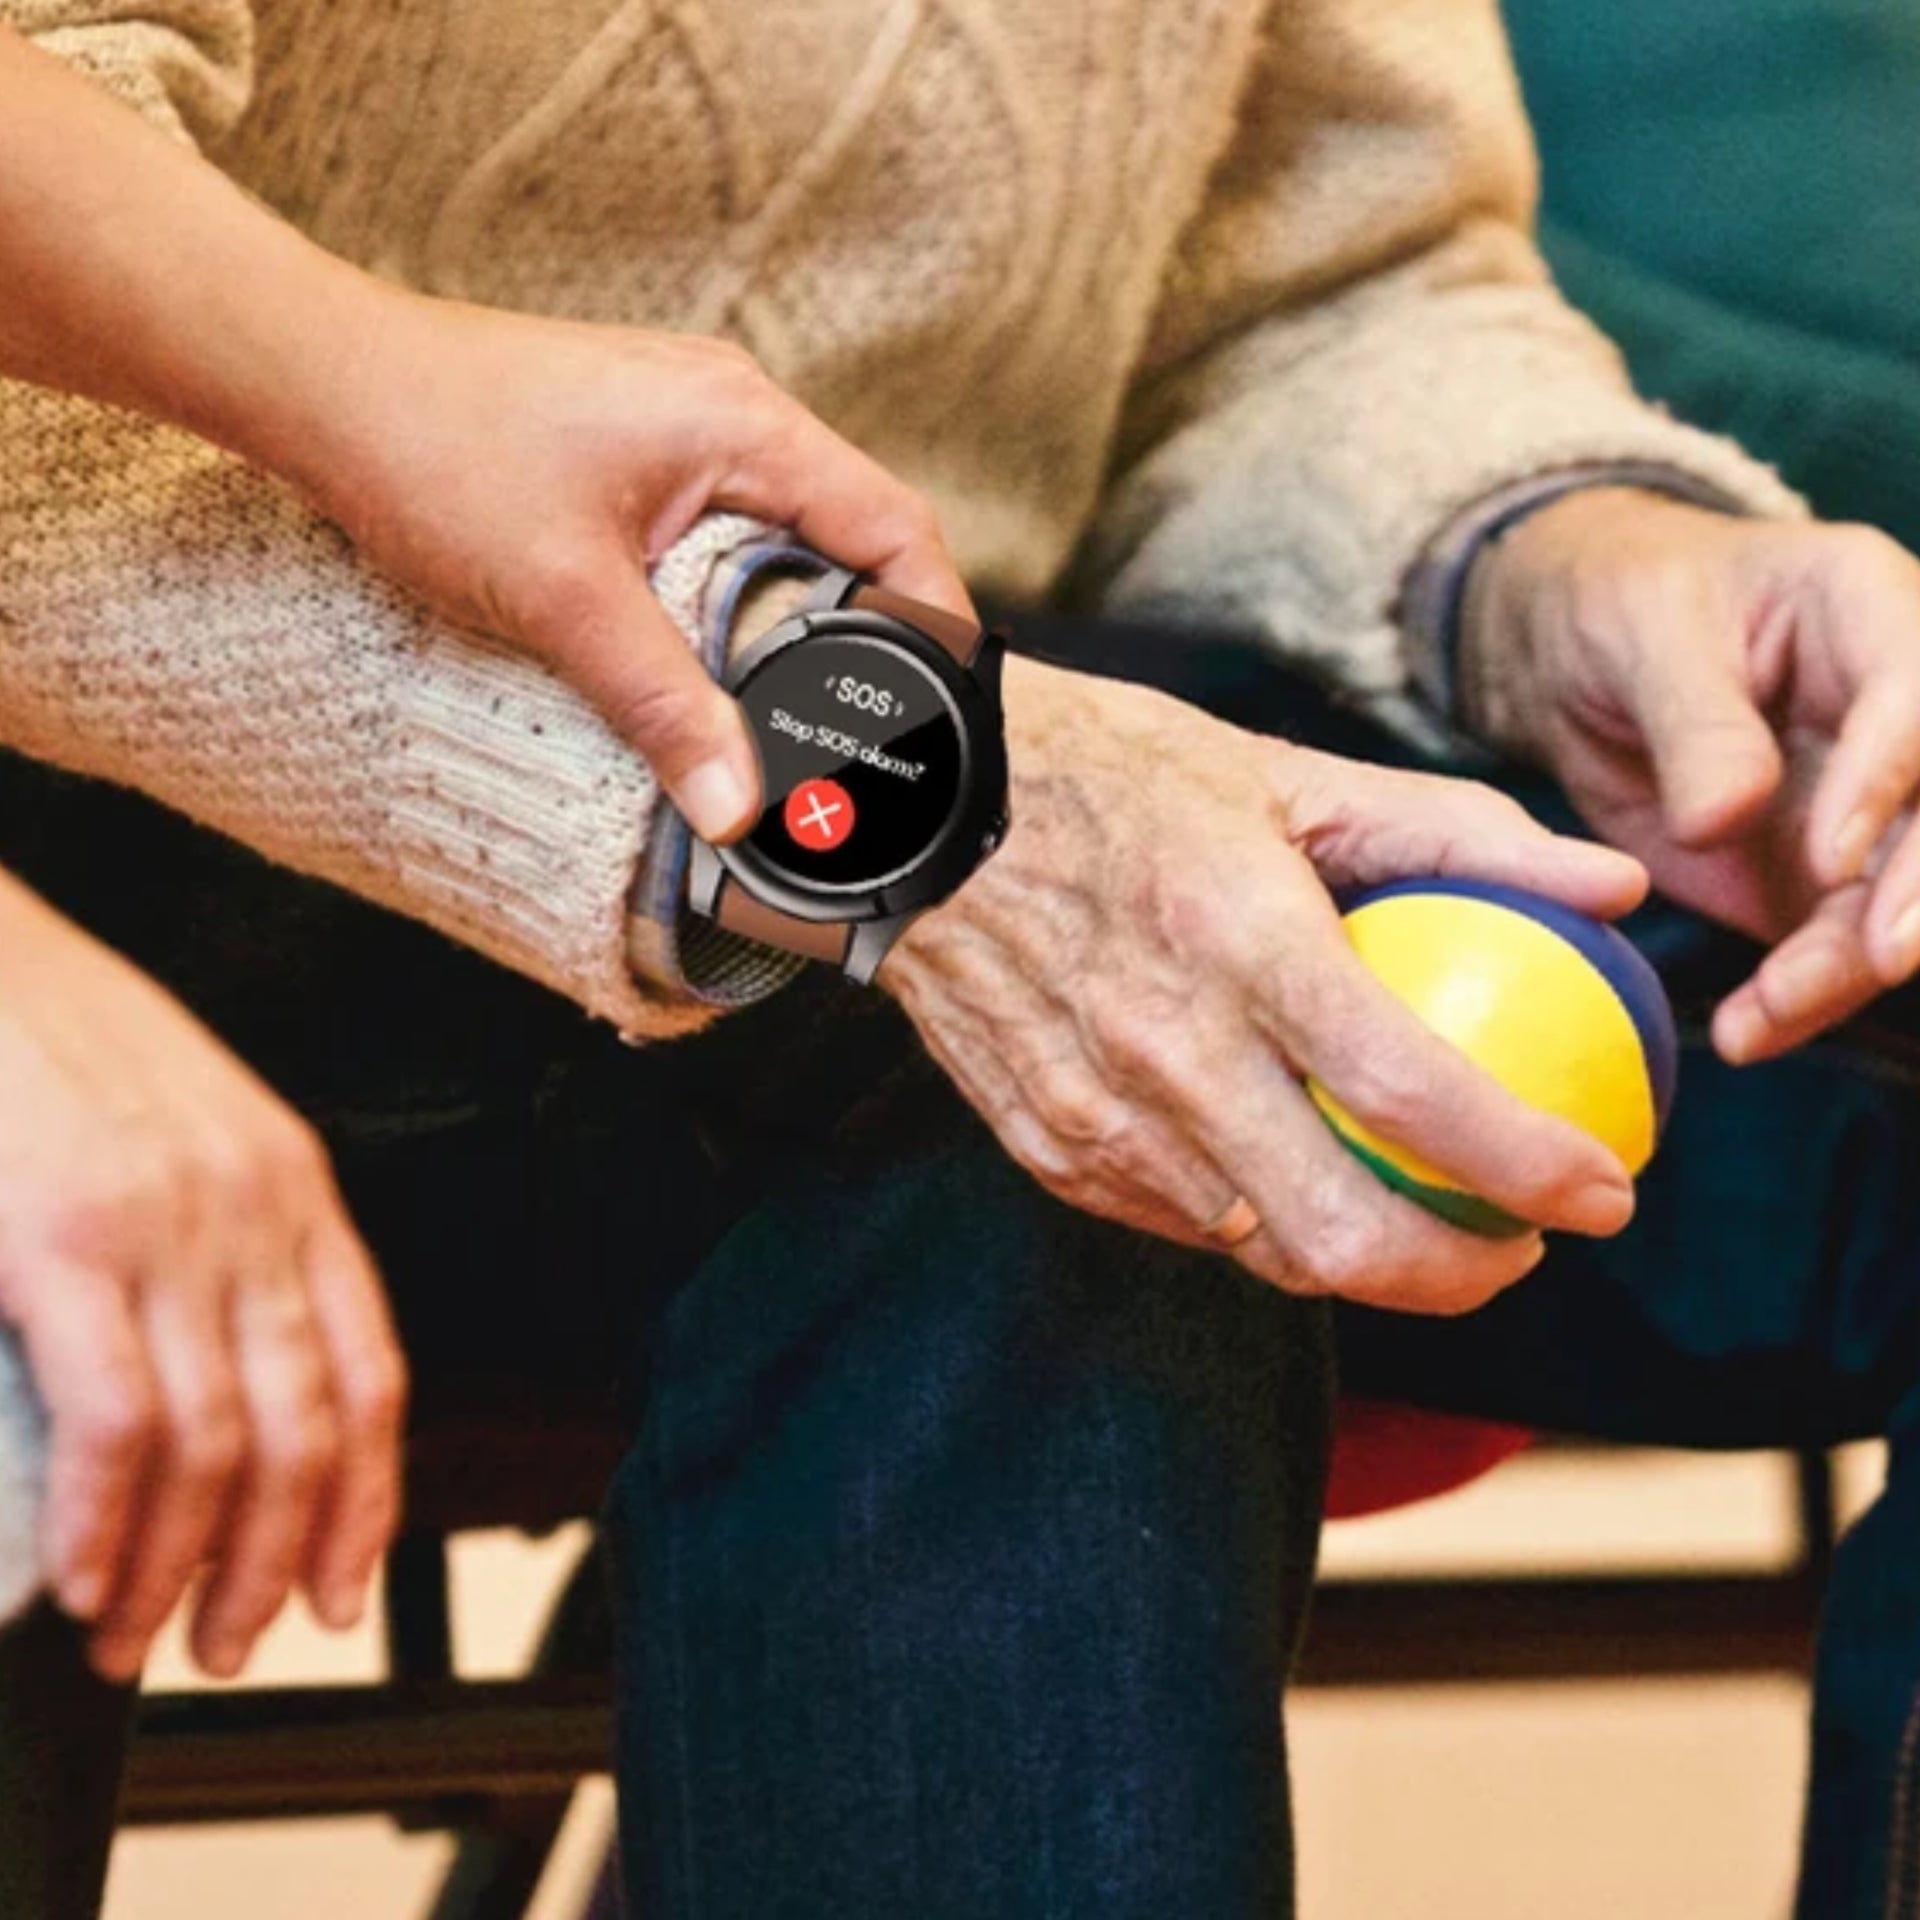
760,427
738,388
1341,1253
296,1155
233,1174
1122,1153
1033,1148
118,1426
563,589
301,1448
376,1390
1193,916
138,1197
1265,1261
1076,1190
1071,1104
1133,1046
91,1223
1047,1163
210,1443
1313,1006
1383,1091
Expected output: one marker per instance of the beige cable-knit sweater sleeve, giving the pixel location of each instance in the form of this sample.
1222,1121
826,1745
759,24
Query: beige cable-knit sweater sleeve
1357,341
173,620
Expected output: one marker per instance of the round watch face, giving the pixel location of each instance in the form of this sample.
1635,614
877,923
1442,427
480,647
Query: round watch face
861,749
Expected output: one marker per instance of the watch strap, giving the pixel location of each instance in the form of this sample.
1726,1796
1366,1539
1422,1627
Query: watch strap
739,912
953,633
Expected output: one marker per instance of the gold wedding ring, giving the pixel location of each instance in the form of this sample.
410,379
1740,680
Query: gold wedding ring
1234,1223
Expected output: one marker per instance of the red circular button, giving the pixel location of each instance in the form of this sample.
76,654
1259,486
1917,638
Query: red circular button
819,814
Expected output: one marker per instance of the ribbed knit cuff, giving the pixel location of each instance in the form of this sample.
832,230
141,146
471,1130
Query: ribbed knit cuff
524,828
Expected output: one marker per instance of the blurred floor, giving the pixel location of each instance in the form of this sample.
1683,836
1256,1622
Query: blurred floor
1667,1800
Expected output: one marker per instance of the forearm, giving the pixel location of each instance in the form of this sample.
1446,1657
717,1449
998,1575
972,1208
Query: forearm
176,622
139,275
1308,464
1328,390
171,619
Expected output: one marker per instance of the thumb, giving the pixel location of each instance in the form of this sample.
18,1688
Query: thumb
637,668
1364,825
1715,759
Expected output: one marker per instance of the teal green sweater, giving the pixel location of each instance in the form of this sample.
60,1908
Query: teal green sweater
1732,189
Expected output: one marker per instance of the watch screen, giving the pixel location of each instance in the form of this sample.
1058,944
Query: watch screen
861,751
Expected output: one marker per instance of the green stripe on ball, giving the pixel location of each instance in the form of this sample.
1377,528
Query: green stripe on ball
1459,1209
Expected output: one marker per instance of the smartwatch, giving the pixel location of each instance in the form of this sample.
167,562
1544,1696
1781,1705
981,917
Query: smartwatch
883,766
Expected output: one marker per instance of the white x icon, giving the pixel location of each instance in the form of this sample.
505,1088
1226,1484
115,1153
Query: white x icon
819,817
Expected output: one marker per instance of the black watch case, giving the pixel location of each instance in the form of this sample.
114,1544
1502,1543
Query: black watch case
974,826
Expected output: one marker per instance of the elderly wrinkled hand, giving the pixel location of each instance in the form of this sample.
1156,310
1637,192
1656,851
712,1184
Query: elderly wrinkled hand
1736,702
1132,990
204,1328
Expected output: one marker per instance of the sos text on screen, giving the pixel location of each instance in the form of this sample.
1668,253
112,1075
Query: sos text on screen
848,746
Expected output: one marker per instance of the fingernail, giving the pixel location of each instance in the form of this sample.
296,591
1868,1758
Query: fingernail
714,798
225,1658
342,1608
1602,1207
1853,843
1738,1033
1905,941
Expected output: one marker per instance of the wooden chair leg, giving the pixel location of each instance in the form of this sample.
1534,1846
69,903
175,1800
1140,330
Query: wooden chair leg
1816,1509
63,1742
419,1606
497,1868
505,1849
608,1900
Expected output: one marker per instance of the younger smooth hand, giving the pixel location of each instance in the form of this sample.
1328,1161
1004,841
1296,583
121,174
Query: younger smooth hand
206,1331
522,475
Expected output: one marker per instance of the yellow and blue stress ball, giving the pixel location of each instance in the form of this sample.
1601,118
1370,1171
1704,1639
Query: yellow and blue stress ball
1558,1007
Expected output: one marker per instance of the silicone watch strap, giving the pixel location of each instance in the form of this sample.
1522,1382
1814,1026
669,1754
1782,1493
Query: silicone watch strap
831,940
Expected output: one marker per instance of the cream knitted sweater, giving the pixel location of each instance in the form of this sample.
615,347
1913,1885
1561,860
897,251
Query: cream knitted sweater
1216,308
